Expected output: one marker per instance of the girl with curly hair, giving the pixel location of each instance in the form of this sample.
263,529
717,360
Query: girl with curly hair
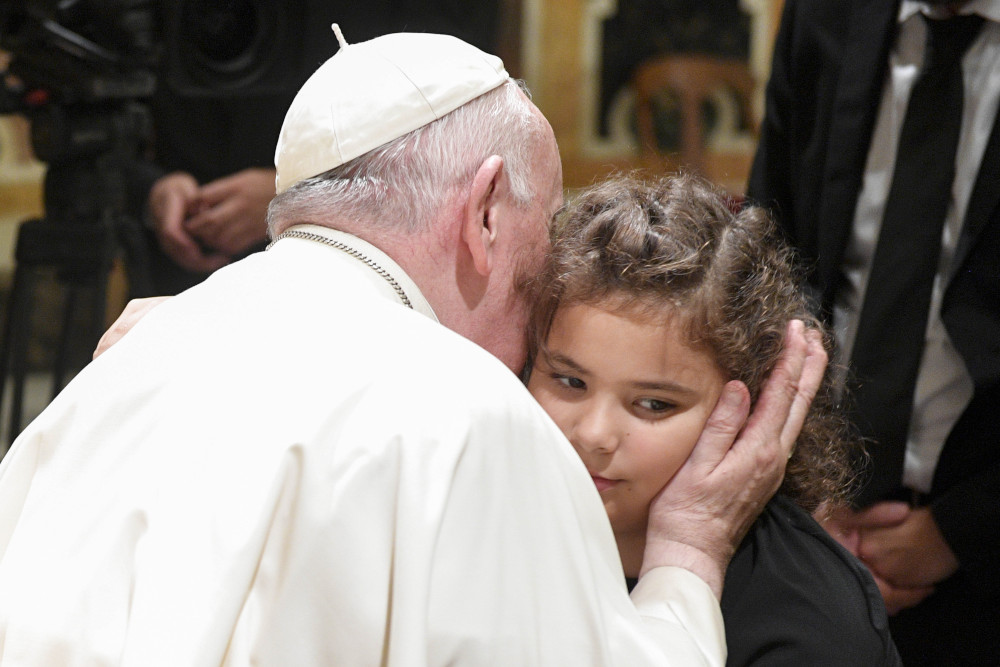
656,294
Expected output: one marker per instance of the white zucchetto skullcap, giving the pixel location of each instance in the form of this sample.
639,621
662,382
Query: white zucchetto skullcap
372,92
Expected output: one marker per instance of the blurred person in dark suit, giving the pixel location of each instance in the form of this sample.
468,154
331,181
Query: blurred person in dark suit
859,156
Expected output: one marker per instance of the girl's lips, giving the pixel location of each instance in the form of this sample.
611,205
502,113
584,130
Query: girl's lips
603,483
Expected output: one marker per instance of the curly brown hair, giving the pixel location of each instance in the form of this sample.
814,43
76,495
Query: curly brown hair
676,247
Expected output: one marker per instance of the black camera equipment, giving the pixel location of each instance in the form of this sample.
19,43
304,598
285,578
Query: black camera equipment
82,72
78,71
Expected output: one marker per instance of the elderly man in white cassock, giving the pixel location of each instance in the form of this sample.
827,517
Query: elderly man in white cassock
321,455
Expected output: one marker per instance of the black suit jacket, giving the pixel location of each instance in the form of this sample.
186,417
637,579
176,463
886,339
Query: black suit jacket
830,64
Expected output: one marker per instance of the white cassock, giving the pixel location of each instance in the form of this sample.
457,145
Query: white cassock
285,466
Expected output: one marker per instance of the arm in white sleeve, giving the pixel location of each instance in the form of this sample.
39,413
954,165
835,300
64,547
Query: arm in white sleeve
680,609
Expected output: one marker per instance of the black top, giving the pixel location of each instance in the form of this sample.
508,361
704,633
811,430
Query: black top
793,596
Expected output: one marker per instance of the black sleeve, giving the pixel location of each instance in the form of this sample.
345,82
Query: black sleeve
793,596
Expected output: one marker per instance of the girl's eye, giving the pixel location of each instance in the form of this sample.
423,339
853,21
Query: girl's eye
569,381
654,404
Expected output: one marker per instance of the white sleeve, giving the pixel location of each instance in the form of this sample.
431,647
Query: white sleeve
679,609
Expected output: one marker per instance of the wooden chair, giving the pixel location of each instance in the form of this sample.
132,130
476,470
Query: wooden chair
694,79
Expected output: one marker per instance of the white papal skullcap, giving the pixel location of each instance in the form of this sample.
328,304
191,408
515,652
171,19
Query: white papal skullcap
372,92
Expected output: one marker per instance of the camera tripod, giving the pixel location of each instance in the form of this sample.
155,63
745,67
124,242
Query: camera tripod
84,231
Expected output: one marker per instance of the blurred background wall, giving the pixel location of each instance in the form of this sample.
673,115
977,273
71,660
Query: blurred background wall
686,61
583,60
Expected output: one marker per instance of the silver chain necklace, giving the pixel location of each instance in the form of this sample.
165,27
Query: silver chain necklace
372,264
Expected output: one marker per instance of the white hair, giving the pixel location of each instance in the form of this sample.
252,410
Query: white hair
403,183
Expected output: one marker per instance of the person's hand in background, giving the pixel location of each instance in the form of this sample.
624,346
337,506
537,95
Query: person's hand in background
172,200
232,216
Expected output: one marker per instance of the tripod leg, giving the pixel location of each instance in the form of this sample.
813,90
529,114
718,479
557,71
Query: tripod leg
16,344
65,339
100,307
8,327
69,338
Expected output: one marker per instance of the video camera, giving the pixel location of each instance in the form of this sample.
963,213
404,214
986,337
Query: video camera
82,70
85,51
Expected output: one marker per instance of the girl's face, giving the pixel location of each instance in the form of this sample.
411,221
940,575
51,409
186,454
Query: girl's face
631,396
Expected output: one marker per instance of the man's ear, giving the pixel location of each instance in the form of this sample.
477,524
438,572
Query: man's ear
479,226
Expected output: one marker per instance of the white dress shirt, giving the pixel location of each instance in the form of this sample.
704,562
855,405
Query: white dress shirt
944,387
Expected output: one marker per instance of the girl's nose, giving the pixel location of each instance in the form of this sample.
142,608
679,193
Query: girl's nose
595,429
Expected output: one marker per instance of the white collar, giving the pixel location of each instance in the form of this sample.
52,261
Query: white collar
376,259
